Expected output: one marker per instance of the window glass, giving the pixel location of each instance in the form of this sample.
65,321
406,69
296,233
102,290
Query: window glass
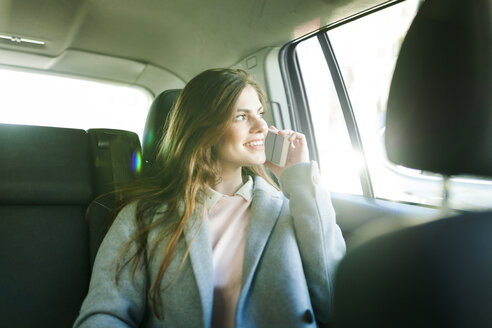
339,165
366,50
51,100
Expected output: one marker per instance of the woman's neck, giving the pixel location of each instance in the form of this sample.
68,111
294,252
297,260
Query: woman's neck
230,182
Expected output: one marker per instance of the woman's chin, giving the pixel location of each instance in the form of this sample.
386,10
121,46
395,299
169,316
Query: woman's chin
258,161
261,160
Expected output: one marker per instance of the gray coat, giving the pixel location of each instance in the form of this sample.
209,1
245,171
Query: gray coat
293,246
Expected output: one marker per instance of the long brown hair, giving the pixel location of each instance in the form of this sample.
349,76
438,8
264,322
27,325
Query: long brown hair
186,164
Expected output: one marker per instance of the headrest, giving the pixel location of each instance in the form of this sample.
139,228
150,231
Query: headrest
439,115
44,165
154,126
116,158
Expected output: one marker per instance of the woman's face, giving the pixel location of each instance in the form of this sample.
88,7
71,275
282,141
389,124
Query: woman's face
242,144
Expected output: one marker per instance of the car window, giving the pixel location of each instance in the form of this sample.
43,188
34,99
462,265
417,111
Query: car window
52,100
339,164
366,50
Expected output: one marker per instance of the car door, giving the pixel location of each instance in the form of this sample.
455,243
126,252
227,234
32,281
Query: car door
337,81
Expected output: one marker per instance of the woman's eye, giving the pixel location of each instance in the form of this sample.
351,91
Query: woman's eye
241,117
260,115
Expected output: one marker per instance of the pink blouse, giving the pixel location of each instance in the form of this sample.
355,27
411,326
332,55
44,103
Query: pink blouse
228,222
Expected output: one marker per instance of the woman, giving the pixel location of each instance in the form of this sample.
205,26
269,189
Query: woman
209,241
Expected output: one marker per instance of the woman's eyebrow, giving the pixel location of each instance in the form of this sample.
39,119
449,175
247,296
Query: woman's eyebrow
249,110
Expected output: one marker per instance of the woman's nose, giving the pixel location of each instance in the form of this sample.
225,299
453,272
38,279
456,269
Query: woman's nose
259,125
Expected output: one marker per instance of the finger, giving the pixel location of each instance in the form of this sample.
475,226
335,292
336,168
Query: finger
300,137
296,137
285,132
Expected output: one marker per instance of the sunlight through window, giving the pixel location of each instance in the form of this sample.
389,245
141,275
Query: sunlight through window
51,100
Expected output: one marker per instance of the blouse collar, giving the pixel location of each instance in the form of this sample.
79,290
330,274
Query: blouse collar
245,191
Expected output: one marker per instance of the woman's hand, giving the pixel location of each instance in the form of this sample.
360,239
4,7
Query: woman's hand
298,151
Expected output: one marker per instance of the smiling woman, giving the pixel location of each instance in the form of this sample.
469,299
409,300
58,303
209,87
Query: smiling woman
188,241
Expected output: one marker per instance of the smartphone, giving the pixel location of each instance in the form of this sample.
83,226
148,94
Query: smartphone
276,148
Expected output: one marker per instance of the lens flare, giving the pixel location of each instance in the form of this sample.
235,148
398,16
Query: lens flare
136,162
148,138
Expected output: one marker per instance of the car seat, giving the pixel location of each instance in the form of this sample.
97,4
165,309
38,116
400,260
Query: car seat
154,128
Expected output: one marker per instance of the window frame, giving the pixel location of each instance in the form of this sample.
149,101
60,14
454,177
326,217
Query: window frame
296,96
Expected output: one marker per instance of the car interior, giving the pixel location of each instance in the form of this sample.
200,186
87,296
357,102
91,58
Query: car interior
440,271
410,263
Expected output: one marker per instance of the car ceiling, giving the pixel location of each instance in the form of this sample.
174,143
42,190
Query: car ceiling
180,37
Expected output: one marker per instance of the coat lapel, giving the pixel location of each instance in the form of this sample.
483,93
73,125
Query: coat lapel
265,210
201,260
